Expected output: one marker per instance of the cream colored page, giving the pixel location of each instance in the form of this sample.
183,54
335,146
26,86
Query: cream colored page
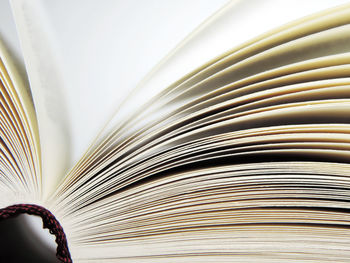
11,56
8,35
46,83
106,47
236,23
93,61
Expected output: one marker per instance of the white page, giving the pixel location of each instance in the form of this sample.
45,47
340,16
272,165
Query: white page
86,55
79,46
91,55
46,82
107,47
9,37
8,32
238,22
68,36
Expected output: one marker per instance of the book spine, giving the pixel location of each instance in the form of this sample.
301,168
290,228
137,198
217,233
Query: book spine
49,221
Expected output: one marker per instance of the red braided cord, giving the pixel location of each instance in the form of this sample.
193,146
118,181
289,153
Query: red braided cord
49,221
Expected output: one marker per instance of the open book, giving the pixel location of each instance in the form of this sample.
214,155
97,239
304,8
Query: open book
235,147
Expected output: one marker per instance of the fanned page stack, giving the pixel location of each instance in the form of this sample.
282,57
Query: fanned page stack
243,157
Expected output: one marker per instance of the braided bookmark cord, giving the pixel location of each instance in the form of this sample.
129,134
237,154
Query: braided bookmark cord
49,221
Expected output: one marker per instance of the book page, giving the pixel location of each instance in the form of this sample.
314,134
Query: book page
201,46
233,25
131,147
71,108
106,47
125,127
254,139
46,83
258,143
